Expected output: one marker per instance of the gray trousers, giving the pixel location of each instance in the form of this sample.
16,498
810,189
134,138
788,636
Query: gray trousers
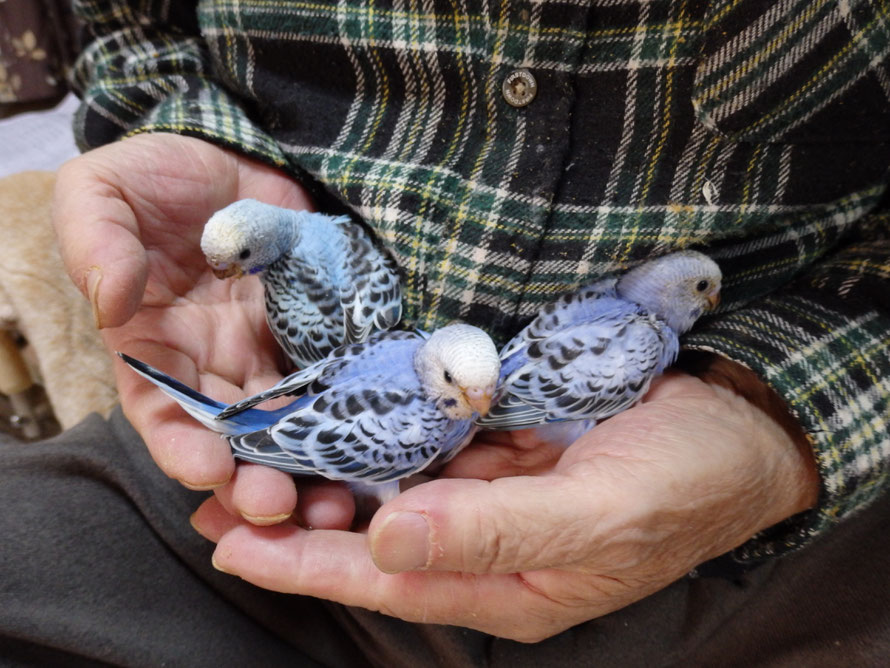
98,566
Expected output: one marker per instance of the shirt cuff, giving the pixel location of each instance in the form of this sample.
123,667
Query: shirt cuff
823,345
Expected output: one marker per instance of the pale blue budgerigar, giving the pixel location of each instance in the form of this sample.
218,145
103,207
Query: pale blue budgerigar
370,414
595,351
325,281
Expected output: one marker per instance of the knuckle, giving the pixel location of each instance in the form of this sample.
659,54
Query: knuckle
487,548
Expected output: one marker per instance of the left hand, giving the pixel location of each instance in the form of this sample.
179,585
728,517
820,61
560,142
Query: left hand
530,541
129,218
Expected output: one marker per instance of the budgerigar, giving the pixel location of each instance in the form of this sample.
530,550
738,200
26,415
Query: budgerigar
370,413
325,282
594,352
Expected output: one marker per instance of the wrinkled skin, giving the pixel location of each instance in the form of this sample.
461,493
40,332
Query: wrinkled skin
515,537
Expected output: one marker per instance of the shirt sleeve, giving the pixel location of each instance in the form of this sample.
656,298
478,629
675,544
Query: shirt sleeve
823,344
144,67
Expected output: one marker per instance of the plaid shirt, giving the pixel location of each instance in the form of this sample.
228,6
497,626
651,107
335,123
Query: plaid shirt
758,131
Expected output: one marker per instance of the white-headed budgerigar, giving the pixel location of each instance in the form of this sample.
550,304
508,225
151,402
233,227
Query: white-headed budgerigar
325,282
370,414
594,352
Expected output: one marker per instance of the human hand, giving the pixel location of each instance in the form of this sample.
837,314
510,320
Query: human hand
546,539
129,218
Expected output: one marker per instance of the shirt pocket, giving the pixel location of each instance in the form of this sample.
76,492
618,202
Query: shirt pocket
795,71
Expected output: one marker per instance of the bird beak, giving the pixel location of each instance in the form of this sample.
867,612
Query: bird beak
234,270
479,398
713,301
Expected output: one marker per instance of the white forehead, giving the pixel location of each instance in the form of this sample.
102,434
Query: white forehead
222,235
468,353
243,224
692,264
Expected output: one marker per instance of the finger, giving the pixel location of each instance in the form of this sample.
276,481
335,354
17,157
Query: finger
325,505
506,525
263,496
212,520
270,184
99,242
259,494
335,565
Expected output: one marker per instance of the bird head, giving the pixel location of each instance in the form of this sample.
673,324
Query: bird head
458,368
678,288
246,237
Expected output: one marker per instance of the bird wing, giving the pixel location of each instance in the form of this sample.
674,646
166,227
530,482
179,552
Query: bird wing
588,370
356,434
392,350
293,385
371,298
334,287
302,308
570,309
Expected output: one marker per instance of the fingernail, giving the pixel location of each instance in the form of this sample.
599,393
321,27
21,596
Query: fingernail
202,487
265,520
402,543
218,567
94,278
193,520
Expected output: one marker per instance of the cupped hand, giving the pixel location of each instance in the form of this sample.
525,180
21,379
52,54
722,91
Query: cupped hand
129,218
540,540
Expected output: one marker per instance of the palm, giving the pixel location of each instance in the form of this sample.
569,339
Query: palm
179,183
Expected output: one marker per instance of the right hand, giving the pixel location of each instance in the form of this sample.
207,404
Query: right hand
522,540
129,218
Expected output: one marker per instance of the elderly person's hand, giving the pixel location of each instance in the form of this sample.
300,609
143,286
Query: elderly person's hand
548,539
129,218
516,538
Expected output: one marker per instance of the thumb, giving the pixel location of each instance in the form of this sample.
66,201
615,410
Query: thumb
98,240
507,525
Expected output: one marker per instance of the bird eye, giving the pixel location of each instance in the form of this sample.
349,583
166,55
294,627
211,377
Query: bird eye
245,254
701,286
448,378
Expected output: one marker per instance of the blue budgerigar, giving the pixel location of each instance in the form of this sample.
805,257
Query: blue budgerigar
325,281
370,413
594,352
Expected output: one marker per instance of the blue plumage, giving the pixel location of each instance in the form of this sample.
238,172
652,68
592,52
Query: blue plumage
324,280
369,414
594,352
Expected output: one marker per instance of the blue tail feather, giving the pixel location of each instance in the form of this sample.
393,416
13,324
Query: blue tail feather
201,407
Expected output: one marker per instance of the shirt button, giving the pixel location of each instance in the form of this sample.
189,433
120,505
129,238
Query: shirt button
519,88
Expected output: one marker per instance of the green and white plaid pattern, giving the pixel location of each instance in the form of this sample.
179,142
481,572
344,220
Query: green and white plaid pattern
824,343
758,131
